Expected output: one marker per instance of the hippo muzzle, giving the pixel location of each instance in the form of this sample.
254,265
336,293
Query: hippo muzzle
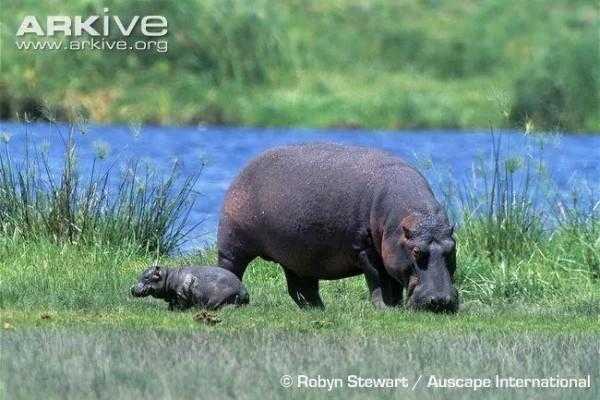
140,290
435,302
422,296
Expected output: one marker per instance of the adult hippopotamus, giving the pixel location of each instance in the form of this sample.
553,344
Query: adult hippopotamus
327,211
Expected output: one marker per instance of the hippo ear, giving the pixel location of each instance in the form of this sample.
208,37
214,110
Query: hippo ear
408,225
452,229
156,272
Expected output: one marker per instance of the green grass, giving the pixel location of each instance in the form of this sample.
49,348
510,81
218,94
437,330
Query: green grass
90,285
374,64
248,365
69,321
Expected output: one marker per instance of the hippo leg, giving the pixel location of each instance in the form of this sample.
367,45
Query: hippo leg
177,306
236,251
234,261
304,291
373,280
233,299
370,265
385,290
392,290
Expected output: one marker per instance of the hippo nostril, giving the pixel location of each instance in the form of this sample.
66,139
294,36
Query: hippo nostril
440,303
436,300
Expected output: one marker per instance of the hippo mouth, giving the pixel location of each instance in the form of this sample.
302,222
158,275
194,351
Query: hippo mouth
433,303
436,304
438,307
140,291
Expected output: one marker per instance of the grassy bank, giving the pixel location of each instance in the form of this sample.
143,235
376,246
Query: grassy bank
124,203
80,286
69,321
374,64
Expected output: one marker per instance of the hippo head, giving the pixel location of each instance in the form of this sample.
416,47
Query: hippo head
424,260
151,283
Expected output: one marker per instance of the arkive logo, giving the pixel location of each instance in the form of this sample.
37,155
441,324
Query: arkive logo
94,25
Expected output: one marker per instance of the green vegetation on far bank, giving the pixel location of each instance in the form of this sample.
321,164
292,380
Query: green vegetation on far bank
346,63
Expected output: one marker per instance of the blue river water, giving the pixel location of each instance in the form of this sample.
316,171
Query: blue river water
221,152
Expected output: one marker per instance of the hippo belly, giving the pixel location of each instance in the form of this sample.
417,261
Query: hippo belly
322,267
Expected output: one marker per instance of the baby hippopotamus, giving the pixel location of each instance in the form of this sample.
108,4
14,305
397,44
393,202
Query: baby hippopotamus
195,286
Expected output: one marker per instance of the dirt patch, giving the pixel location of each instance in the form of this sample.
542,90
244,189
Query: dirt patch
207,318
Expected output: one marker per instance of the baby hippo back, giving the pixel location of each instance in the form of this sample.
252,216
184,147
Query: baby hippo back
207,287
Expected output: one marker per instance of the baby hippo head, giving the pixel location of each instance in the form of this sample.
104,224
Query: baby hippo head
151,283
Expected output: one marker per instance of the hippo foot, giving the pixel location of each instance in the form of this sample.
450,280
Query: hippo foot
377,299
304,291
387,297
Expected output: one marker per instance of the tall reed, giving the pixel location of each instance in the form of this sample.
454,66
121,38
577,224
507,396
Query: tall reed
498,205
138,207
520,237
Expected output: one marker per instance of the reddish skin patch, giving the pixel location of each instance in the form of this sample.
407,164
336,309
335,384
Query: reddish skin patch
391,247
409,223
237,200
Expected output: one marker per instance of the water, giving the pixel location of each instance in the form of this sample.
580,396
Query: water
572,160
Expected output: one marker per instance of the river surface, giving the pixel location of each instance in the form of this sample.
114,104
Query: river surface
221,152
